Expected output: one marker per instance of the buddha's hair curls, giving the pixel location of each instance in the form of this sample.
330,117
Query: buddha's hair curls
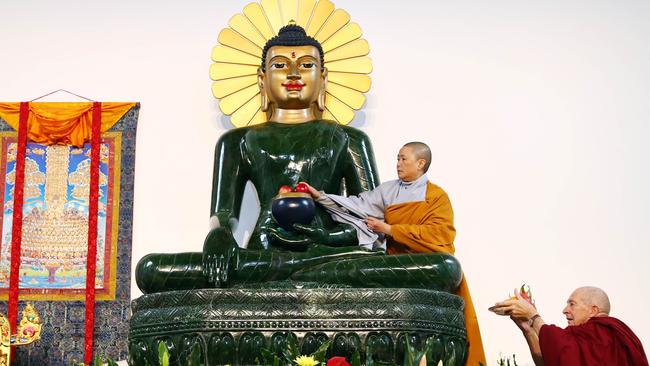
292,35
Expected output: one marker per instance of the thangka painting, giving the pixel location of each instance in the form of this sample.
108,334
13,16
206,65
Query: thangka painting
55,219
54,244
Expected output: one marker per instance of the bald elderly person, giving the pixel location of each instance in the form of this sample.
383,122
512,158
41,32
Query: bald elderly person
592,338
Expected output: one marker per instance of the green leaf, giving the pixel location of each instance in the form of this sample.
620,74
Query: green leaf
412,356
321,352
110,362
97,361
292,343
269,356
428,348
195,356
163,354
356,359
408,353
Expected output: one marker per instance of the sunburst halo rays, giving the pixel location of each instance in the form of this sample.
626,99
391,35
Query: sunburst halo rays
289,10
349,33
358,47
321,12
255,14
336,21
305,8
240,24
358,82
238,55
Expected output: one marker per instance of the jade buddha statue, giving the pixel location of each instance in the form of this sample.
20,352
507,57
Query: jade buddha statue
294,145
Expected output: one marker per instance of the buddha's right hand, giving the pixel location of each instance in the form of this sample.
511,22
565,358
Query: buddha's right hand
220,254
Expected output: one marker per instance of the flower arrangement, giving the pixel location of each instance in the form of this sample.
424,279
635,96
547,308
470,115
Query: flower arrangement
98,361
292,356
507,361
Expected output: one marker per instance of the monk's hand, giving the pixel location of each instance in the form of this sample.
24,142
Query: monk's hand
220,253
377,225
313,191
515,308
522,324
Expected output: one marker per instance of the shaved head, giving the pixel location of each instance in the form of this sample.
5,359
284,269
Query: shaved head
594,296
421,151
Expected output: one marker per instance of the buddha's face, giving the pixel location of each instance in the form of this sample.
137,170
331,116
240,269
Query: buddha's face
293,77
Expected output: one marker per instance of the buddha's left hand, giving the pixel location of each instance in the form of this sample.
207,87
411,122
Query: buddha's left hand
342,235
290,241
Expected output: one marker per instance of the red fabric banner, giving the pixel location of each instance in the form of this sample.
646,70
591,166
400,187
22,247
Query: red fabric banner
92,231
17,223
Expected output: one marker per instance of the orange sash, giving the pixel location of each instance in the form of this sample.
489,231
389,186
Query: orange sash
428,227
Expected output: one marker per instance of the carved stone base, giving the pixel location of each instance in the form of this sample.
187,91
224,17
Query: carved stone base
231,326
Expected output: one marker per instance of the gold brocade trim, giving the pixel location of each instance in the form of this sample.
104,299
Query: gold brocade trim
117,171
55,187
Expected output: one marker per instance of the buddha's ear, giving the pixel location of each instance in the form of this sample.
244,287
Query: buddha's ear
321,95
260,84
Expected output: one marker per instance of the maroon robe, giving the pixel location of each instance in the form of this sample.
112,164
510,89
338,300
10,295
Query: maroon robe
599,341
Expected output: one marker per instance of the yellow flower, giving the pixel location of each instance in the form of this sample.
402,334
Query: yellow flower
305,361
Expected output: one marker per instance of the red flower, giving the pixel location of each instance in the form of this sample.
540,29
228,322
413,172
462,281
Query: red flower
337,361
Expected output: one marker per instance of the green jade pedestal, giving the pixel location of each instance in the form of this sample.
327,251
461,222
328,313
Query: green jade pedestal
231,326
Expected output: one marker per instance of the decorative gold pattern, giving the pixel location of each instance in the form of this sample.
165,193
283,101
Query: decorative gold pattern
29,331
238,56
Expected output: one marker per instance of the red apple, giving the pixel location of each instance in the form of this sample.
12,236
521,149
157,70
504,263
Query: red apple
284,189
301,187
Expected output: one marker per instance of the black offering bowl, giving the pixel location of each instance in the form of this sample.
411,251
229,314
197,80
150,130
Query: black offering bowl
293,208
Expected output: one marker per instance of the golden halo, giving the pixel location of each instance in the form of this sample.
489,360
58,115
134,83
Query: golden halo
239,54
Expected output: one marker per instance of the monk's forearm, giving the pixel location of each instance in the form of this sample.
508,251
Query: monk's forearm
532,339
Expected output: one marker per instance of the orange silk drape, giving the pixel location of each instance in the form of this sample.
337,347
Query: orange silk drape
63,123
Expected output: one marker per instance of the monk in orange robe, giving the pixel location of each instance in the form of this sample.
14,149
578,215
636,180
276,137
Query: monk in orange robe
408,215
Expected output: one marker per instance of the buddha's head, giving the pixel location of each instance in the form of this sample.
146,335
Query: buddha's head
292,75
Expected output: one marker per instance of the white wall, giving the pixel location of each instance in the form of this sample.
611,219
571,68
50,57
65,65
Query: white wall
536,113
